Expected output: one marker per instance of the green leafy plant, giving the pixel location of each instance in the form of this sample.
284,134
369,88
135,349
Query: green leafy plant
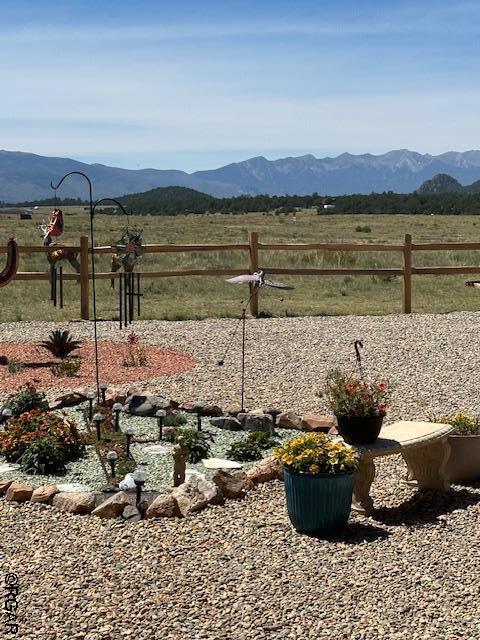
197,442
174,420
244,451
353,395
316,453
14,366
42,456
463,423
26,400
68,368
60,343
251,447
41,442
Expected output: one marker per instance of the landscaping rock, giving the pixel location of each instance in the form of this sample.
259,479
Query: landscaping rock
113,395
69,399
164,506
258,422
45,493
317,422
74,502
73,487
131,513
113,507
206,410
289,420
19,492
142,506
4,484
195,494
230,483
144,405
268,469
226,422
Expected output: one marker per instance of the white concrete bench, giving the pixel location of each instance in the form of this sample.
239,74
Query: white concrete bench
424,447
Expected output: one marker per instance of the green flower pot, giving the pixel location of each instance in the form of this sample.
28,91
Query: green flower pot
318,503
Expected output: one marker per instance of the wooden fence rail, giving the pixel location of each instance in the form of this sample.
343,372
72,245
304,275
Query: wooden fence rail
253,249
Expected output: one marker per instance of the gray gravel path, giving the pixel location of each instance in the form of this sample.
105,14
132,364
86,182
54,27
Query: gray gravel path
242,573
409,572
431,360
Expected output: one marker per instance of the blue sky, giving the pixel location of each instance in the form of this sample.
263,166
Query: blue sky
197,84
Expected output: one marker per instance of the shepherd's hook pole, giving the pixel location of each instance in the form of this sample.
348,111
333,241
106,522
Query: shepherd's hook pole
92,242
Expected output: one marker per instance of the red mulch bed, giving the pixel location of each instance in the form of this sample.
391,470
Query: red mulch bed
161,362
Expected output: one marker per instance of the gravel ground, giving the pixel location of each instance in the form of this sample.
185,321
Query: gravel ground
240,572
432,360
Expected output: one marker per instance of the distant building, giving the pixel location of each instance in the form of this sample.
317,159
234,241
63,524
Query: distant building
25,214
329,203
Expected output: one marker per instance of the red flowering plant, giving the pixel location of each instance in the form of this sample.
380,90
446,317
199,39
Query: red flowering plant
135,356
41,442
353,395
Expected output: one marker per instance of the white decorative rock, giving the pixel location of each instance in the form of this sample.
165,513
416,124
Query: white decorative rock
72,487
156,449
220,463
128,483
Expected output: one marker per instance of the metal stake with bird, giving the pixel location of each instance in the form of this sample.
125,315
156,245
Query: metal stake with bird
256,280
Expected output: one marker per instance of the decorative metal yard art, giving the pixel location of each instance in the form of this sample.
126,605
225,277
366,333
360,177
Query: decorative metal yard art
128,250
11,267
92,241
255,281
56,255
358,344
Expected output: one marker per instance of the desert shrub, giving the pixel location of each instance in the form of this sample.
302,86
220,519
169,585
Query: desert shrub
60,343
136,355
26,400
251,447
174,420
14,366
41,442
363,229
68,368
197,442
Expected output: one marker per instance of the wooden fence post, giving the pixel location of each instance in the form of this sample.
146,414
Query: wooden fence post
407,274
253,242
84,283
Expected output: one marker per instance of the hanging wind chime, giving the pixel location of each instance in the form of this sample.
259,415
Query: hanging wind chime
128,250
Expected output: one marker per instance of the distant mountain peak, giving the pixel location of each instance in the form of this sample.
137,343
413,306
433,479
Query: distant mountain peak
26,176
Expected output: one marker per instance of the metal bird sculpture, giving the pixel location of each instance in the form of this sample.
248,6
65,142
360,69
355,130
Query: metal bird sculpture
257,279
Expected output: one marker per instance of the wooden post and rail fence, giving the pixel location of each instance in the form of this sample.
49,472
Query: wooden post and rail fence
253,248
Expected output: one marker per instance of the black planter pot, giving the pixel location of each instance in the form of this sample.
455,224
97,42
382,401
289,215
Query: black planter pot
359,429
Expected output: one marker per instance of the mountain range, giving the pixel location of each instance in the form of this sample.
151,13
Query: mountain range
26,176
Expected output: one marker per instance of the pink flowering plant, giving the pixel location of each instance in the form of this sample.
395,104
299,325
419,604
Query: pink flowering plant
353,395
135,356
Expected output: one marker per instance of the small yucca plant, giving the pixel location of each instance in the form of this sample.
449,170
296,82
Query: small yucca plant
60,343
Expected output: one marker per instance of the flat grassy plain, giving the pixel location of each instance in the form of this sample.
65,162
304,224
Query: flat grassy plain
198,297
